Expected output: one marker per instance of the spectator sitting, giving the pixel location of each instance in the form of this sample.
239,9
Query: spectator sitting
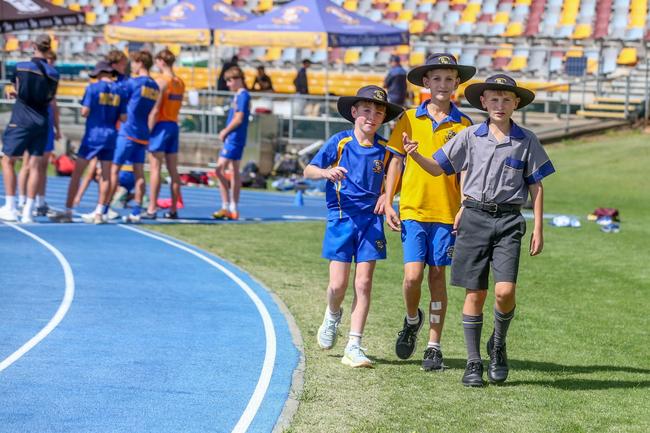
262,81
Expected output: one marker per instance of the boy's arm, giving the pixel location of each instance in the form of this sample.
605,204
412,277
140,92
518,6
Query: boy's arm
537,239
237,119
429,165
333,174
153,115
392,176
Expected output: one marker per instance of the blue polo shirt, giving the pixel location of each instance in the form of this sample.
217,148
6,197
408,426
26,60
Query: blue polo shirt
358,192
37,84
395,83
106,103
241,102
142,94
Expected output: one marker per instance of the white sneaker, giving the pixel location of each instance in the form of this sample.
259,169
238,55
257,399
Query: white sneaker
131,219
354,356
328,331
27,219
61,217
112,214
9,215
88,218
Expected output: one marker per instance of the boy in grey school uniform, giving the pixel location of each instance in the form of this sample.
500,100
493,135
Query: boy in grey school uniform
502,163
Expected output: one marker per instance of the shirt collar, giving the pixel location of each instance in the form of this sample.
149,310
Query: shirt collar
515,130
454,114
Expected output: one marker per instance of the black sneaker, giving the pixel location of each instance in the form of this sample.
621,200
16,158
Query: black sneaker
407,338
171,215
432,360
473,375
498,366
148,216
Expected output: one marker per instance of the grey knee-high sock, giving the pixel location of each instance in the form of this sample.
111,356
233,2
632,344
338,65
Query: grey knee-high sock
472,326
501,324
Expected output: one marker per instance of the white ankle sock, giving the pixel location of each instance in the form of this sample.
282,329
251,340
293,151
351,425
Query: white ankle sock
10,202
40,201
99,209
412,320
28,208
225,205
233,207
21,200
333,316
354,338
434,345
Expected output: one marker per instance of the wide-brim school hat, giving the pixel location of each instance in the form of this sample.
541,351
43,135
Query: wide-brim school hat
102,67
440,61
370,94
473,92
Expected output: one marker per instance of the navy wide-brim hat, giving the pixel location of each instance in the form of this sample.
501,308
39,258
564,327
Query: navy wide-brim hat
473,92
440,61
370,94
102,66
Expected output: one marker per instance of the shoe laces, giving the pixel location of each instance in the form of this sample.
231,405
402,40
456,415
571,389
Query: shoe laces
357,351
330,327
497,354
410,331
473,367
432,353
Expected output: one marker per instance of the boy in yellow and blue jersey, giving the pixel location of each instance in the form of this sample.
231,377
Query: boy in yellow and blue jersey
428,205
353,162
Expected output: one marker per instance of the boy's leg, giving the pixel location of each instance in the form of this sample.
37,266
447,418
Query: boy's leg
504,311
338,283
8,211
155,163
23,178
171,160
140,186
33,181
73,186
472,326
41,206
437,311
85,182
354,355
235,189
104,191
407,337
224,188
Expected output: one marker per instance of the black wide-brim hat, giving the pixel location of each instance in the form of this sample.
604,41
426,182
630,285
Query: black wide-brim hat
102,66
370,94
473,92
440,61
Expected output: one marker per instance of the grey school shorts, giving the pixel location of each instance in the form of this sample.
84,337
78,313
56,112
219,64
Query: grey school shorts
485,237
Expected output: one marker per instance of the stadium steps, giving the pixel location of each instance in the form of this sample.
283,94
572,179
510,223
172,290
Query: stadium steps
611,107
602,114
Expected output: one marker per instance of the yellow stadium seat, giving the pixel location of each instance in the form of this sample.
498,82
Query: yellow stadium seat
351,5
405,15
265,5
592,66
108,3
523,2
403,49
517,63
470,13
417,26
501,18
146,3
627,57
574,52
128,17
514,30
75,7
395,6
582,31
91,18
12,44
417,58
458,2
137,10
273,54
569,12
638,12
175,49
503,51
58,2
351,56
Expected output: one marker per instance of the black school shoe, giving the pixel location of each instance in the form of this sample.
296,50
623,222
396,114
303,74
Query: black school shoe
407,338
171,215
473,375
432,360
498,366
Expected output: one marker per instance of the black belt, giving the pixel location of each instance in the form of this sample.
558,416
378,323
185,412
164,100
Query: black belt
492,207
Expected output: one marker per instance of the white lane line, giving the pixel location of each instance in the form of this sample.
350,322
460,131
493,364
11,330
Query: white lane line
63,307
269,357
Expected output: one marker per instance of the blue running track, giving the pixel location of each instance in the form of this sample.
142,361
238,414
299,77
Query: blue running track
115,329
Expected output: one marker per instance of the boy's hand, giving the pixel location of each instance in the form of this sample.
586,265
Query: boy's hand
392,219
379,207
454,231
335,174
536,243
410,146
222,135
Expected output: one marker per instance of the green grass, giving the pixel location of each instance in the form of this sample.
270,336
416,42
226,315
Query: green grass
579,344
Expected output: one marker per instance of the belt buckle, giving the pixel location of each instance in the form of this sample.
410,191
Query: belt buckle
491,207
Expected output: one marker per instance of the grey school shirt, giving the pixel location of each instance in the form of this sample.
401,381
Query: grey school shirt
496,172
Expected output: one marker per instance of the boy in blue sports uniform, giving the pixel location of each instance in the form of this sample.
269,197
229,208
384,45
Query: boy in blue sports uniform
234,140
133,138
353,162
503,164
28,128
102,105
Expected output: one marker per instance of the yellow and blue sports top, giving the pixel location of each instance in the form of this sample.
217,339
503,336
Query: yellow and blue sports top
423,197
358,192
142,94
106,103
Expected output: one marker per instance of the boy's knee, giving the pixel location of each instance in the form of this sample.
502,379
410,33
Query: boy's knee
363,284
413,280
476,297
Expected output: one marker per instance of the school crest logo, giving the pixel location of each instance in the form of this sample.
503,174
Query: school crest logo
291,15
445,60
380,244
500,80
451,134
377,166
178,12
379,95
342,16
229,13
450,252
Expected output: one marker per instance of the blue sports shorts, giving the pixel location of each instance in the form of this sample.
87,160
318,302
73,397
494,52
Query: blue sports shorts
431,243
88,152
164,138
17,139
232,151
360,237
127,180
49,144
128,150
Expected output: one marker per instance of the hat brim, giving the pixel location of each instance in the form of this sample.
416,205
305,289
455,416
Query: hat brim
345,103
416,75
473,94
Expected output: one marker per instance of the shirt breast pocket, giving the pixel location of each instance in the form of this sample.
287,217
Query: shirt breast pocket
513,163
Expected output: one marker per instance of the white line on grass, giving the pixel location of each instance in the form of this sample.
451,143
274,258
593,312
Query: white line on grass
269,331
63,307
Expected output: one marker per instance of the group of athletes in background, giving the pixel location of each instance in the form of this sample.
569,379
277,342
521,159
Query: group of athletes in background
126,118
462,188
